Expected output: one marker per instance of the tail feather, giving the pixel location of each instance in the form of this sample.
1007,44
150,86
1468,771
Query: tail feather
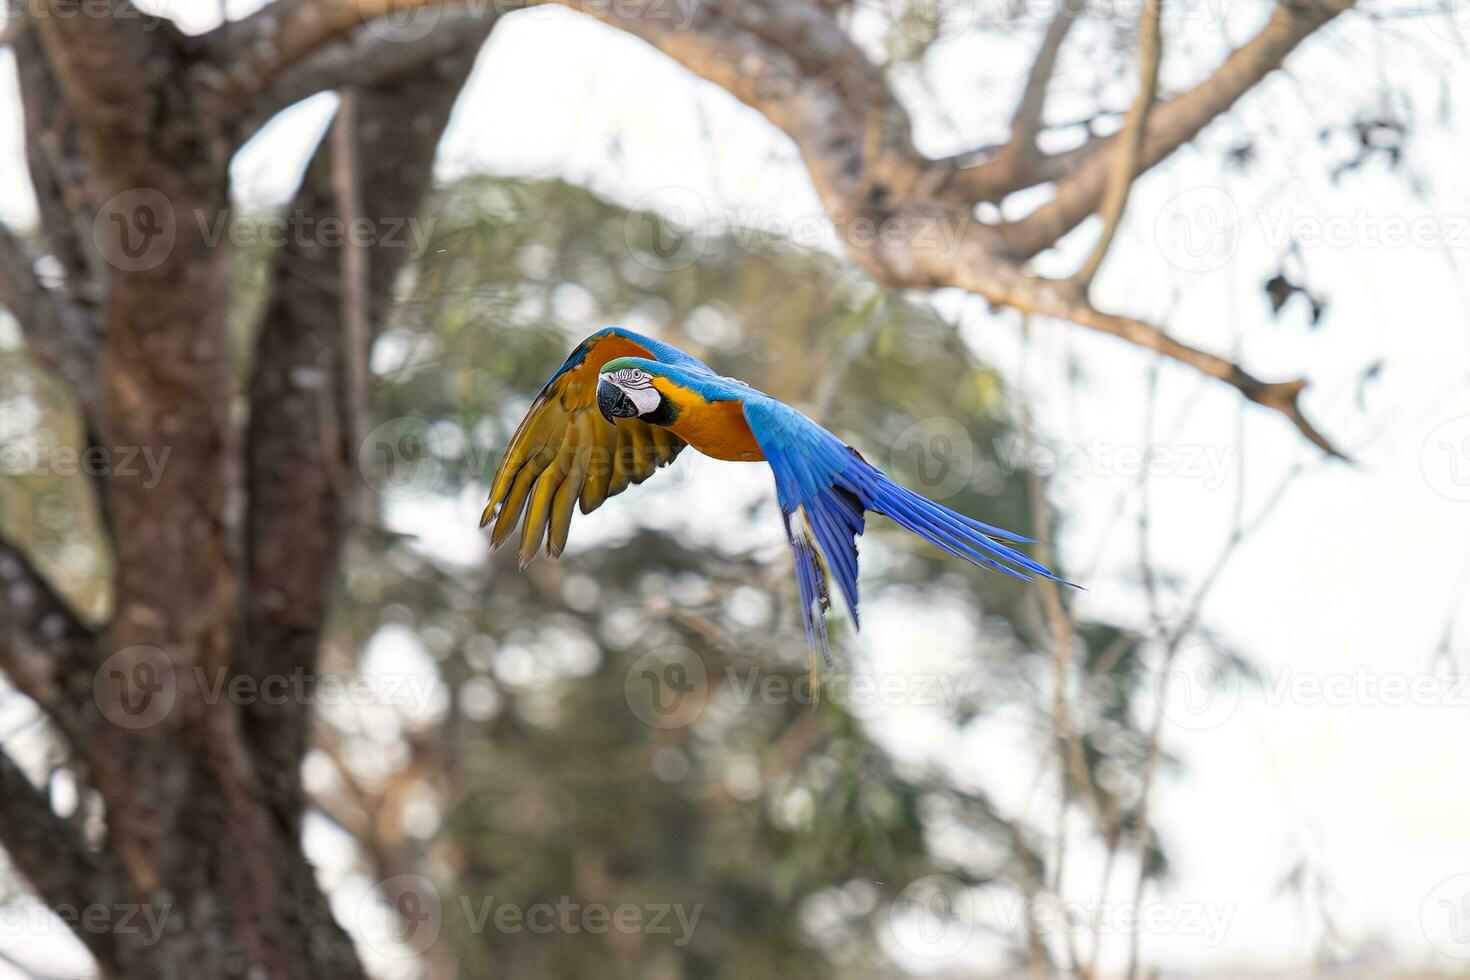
950,530
811,581
837,520
825,488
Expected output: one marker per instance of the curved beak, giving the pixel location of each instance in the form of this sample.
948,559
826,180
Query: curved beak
613,402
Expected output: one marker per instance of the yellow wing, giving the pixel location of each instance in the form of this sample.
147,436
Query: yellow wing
564,450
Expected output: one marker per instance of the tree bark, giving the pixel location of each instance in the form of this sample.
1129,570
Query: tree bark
223,570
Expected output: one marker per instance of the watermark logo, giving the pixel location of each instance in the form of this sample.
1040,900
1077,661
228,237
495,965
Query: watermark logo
931,21
403,21
940,454
135,231
664,230
1445,916
1208,922
400,459
667,687
933,917
135,688
1198,230
401,916
1445,459
138,687
1199,689
941,234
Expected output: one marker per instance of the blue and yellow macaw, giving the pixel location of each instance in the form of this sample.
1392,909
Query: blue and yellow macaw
650,401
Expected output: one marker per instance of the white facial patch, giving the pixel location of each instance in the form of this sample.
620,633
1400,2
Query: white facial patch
638,386
643,399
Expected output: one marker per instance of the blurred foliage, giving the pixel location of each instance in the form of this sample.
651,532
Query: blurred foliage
537,773
792,827
46,499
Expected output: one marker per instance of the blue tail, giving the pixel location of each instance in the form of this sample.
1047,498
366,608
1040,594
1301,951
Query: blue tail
825,487
957,534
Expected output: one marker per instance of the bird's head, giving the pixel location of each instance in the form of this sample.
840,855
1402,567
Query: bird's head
625,390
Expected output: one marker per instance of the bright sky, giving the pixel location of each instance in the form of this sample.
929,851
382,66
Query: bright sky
1354,582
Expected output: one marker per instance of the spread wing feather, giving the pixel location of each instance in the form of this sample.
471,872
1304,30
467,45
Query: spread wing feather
564,451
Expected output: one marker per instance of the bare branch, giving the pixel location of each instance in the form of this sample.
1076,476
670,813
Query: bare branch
1006,169
1282,396
1026,122
1081,175
54,858
357,58
45,650
1071,755
57,166
794,63
1130,144
62,336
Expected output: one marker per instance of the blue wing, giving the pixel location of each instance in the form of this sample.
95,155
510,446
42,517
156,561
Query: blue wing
824,487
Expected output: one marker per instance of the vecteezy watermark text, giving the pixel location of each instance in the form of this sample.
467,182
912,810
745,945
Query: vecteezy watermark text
669,687
936,916
30,918
570,917
39,459
139,686
404,916
1208,464
138,229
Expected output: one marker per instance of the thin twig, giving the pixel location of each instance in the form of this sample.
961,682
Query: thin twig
1141,833
1129,152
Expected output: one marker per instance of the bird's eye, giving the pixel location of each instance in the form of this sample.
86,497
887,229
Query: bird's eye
632,378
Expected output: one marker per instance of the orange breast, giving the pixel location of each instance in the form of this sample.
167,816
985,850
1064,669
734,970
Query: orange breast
716,429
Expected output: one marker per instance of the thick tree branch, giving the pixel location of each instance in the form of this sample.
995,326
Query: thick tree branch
58,173
62,336
355,58
794,63
45,650
54,858
966,265
300,446
107,66
48,655
935,243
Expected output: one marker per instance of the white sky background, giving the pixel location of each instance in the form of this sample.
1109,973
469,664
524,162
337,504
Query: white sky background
1359,574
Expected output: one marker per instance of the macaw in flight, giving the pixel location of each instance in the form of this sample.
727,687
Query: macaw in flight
622,405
